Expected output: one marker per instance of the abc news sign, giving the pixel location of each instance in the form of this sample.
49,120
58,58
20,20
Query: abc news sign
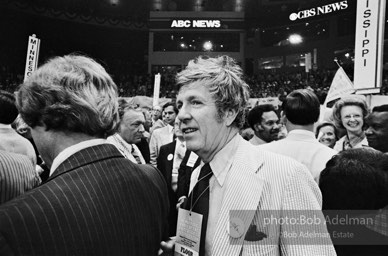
333,7
195,24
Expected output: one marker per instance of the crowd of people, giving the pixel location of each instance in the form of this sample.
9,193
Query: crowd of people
274,83
84,172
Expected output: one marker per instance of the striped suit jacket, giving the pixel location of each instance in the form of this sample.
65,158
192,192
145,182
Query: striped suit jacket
261,183
17,175
95,203
13,142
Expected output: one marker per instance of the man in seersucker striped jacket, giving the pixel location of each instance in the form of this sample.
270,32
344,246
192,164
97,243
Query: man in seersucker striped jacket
252,194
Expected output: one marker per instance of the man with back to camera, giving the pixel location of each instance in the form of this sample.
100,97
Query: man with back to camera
236,176
95,201
265,123
130,132
377,132
301,110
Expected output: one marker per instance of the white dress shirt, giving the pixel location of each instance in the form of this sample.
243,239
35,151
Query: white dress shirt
220,166
159,138
304,148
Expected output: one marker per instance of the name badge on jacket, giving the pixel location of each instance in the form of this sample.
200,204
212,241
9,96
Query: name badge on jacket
192,159
188,233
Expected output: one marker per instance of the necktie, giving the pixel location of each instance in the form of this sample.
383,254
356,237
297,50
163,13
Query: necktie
199,201
135,155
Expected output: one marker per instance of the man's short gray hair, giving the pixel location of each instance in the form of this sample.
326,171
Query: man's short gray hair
71,93
224,79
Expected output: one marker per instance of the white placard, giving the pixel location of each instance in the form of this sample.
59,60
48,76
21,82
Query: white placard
368,46
155,101
32,56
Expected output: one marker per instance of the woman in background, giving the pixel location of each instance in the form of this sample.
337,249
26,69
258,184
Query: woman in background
326,133
349,113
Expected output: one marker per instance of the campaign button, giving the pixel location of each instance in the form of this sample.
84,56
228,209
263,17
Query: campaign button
236,227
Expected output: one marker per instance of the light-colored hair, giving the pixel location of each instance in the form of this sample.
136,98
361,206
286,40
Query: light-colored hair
71,93
125,106
324,124
351,100
223,77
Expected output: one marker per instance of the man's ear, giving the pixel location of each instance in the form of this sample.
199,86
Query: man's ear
230,116
258,127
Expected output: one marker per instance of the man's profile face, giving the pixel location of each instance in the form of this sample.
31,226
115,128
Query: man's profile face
169,115
202,128
269,126
377,132
132,126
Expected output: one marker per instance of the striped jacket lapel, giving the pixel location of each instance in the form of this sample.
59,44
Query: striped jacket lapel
86,156
241,199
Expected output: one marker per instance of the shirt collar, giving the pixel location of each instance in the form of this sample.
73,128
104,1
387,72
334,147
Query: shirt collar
222,161
124,143
356,141
8,126
170,128
299,132
67,152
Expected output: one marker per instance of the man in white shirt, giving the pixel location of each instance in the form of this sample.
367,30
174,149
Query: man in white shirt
301,110
165,134
130,132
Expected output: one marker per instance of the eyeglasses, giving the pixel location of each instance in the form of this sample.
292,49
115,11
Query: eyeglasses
352,116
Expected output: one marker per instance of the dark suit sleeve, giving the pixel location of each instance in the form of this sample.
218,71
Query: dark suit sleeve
160,162
160,184
5,249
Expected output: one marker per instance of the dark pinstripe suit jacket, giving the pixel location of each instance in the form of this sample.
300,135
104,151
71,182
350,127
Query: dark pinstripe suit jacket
95,203
165,167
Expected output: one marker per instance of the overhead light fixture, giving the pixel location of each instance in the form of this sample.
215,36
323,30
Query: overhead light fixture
295,39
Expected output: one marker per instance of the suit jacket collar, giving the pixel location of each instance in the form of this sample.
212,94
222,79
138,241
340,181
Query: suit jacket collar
5,126
241,198
85,157
169,163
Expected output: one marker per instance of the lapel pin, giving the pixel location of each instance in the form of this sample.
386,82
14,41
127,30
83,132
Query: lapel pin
170,157
236,227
